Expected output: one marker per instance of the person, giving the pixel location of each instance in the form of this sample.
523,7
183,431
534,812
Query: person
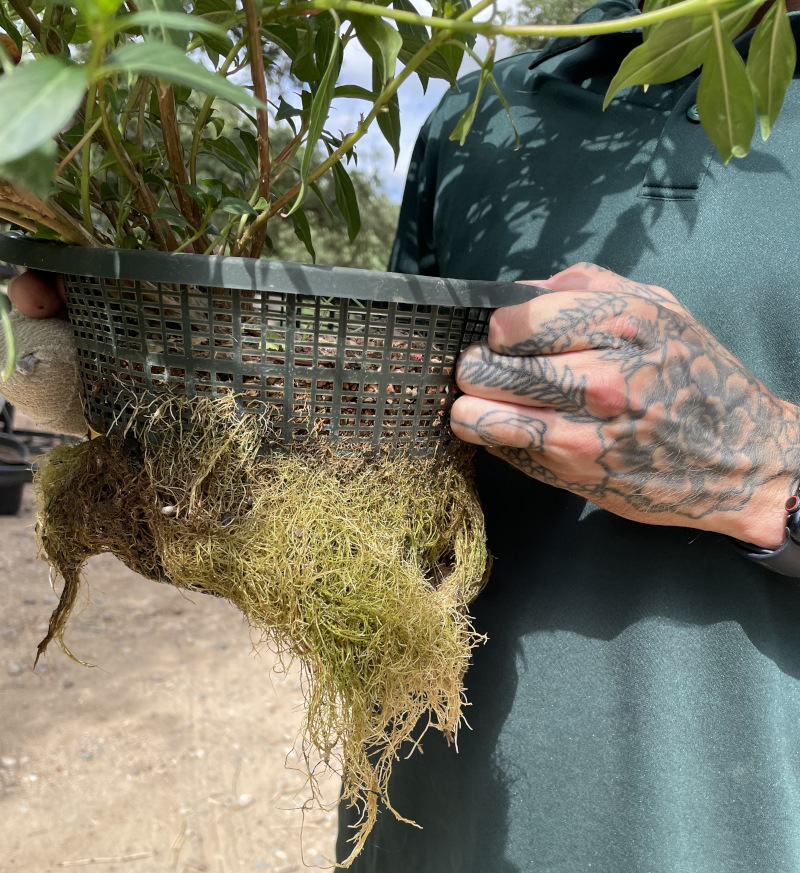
635,707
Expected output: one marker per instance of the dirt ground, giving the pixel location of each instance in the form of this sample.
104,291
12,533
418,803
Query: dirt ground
169,755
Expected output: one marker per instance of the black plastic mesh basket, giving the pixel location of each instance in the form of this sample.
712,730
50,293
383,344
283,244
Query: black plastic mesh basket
363,358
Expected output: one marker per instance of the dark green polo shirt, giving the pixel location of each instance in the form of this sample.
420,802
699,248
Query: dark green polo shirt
637,706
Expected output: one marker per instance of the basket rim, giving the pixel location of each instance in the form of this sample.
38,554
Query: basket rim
227,271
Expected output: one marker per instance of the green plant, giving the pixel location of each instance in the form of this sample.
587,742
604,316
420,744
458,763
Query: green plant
113,125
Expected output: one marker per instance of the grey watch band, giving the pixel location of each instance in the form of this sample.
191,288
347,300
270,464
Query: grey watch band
786,558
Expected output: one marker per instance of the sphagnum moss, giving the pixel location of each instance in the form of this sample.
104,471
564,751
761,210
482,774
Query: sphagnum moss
360,567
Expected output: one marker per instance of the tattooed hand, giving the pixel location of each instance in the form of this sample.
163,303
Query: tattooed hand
612,390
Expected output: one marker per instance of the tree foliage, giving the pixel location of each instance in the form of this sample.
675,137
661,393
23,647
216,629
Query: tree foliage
544,12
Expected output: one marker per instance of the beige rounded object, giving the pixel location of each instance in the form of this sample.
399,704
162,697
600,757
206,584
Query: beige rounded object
45,383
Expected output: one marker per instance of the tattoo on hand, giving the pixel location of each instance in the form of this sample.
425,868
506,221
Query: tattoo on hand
687,430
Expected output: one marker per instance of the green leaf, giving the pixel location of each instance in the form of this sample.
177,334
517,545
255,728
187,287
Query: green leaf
652,6
156,27
434,66
286,38
218,11
355,92
317,117
175,218
35,170
381,42
223,14
346,200
303,66
314,186
285,110
169,63
35,103
412,34
203,198
8,333
675,48
225,147
236,206
407,27
452,55
464,124
323,44
250,144
389,120
725,100
303,232
10,28
770,64
163,23
97,10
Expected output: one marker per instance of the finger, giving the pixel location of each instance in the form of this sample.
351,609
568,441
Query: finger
591,277
580,384
530,463
511,328
37,295
568,321
485,423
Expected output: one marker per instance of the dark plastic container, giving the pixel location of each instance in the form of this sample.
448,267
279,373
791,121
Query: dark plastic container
15,471
362,358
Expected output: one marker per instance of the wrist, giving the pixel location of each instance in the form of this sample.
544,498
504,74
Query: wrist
761,521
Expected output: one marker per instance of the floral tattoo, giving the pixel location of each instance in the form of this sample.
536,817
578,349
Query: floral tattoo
671,420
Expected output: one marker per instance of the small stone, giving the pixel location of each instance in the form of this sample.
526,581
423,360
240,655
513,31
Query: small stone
244,800
169,510
13,669
67,683
225,519
298,532
7,762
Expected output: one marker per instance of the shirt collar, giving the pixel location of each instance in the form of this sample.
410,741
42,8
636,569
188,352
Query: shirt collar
604,10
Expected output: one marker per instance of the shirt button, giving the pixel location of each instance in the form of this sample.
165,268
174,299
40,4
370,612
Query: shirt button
692,114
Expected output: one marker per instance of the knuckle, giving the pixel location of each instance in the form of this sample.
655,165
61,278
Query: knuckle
607,396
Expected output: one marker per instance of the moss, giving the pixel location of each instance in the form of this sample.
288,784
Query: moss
361,566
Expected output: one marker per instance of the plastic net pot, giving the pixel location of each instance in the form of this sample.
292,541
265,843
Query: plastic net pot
363,359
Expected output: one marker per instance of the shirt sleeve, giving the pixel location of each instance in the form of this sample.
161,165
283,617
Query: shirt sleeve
414,249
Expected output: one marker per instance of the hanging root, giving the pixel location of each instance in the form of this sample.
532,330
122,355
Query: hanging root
361,567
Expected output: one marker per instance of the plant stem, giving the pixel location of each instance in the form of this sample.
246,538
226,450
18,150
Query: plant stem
163,235
172,146
349,141
88,134
51,45
205,111
13,218
253,27
458,25
86,158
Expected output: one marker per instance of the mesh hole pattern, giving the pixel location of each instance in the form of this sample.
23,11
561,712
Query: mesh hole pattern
359,372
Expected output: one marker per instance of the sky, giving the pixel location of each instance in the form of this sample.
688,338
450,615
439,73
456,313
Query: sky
373,150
